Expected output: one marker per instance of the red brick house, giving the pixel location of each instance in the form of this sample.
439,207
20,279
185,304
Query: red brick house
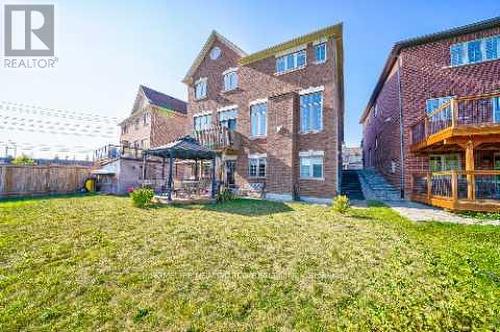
156,119
275,115
432,125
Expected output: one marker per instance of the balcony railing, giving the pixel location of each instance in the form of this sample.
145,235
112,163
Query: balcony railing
111,151
456,186
217,138
476,111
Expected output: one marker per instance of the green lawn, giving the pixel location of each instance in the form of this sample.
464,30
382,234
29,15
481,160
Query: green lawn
97,263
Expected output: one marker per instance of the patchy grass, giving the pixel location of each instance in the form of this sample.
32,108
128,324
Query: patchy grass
97,263
481,216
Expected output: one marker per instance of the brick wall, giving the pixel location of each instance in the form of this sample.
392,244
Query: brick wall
385,127
136,129
258,80
425,73
167,127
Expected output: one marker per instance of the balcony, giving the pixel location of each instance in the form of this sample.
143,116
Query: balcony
458,120
219,138
458,190
110,152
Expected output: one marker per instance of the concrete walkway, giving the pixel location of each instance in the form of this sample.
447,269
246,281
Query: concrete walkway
420,212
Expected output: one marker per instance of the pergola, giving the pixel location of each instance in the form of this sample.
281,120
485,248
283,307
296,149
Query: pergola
185,148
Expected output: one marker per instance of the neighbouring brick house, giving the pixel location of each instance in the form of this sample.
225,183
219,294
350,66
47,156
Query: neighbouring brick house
275,115
432,125
156,119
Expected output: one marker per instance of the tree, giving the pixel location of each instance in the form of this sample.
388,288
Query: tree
23,160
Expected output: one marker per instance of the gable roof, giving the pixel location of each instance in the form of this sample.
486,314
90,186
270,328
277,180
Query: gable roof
330,31
164,101
429,38
206,48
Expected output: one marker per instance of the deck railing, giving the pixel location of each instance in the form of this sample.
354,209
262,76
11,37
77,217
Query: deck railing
111,151
458,185
459,112
217,137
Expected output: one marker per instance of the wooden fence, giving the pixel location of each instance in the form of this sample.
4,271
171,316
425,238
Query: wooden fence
39,180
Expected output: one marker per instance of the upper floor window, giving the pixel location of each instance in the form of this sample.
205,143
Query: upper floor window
145,119
496,109
136,125
258,119
200,88
292,61
230,79
475,51
311,112
311,165
125,129
375,110
320,53
433,104
227,118
202,122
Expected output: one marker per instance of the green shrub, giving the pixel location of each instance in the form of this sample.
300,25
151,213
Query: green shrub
341,204
224,195
142,197
23,160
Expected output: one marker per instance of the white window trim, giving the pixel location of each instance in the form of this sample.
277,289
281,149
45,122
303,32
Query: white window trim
290,51
320,41
465,54
227,108
202,114
312,90
318,62
201,80
312,154
295,60
257,156
258,101
230,70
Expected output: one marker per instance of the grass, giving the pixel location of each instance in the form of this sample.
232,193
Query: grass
97,263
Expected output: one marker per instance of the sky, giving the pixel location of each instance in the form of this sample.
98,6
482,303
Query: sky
105,49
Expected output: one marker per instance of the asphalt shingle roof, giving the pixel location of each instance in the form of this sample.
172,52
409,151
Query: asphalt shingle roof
165,101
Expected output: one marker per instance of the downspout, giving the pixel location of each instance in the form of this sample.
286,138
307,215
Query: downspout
401,129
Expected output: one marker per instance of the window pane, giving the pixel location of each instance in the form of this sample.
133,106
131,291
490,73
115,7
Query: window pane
280,64
496,108
262,167
301,59
317,170
290,61
457,55
474,51
311,112
320,52
304,171
492,48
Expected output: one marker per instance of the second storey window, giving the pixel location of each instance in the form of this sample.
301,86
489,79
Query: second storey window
291,62
475,51
227,118
257,167
311,112
230,79
200,88
202,122
496,109
258,119
320,53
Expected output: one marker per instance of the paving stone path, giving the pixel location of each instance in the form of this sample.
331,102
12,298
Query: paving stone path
420,212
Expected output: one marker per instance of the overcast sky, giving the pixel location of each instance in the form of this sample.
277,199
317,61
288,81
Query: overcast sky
107,48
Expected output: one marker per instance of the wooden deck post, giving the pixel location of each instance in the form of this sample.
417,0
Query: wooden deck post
170,177
454,186
214,182
454,111
469,168
144,167
429,186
